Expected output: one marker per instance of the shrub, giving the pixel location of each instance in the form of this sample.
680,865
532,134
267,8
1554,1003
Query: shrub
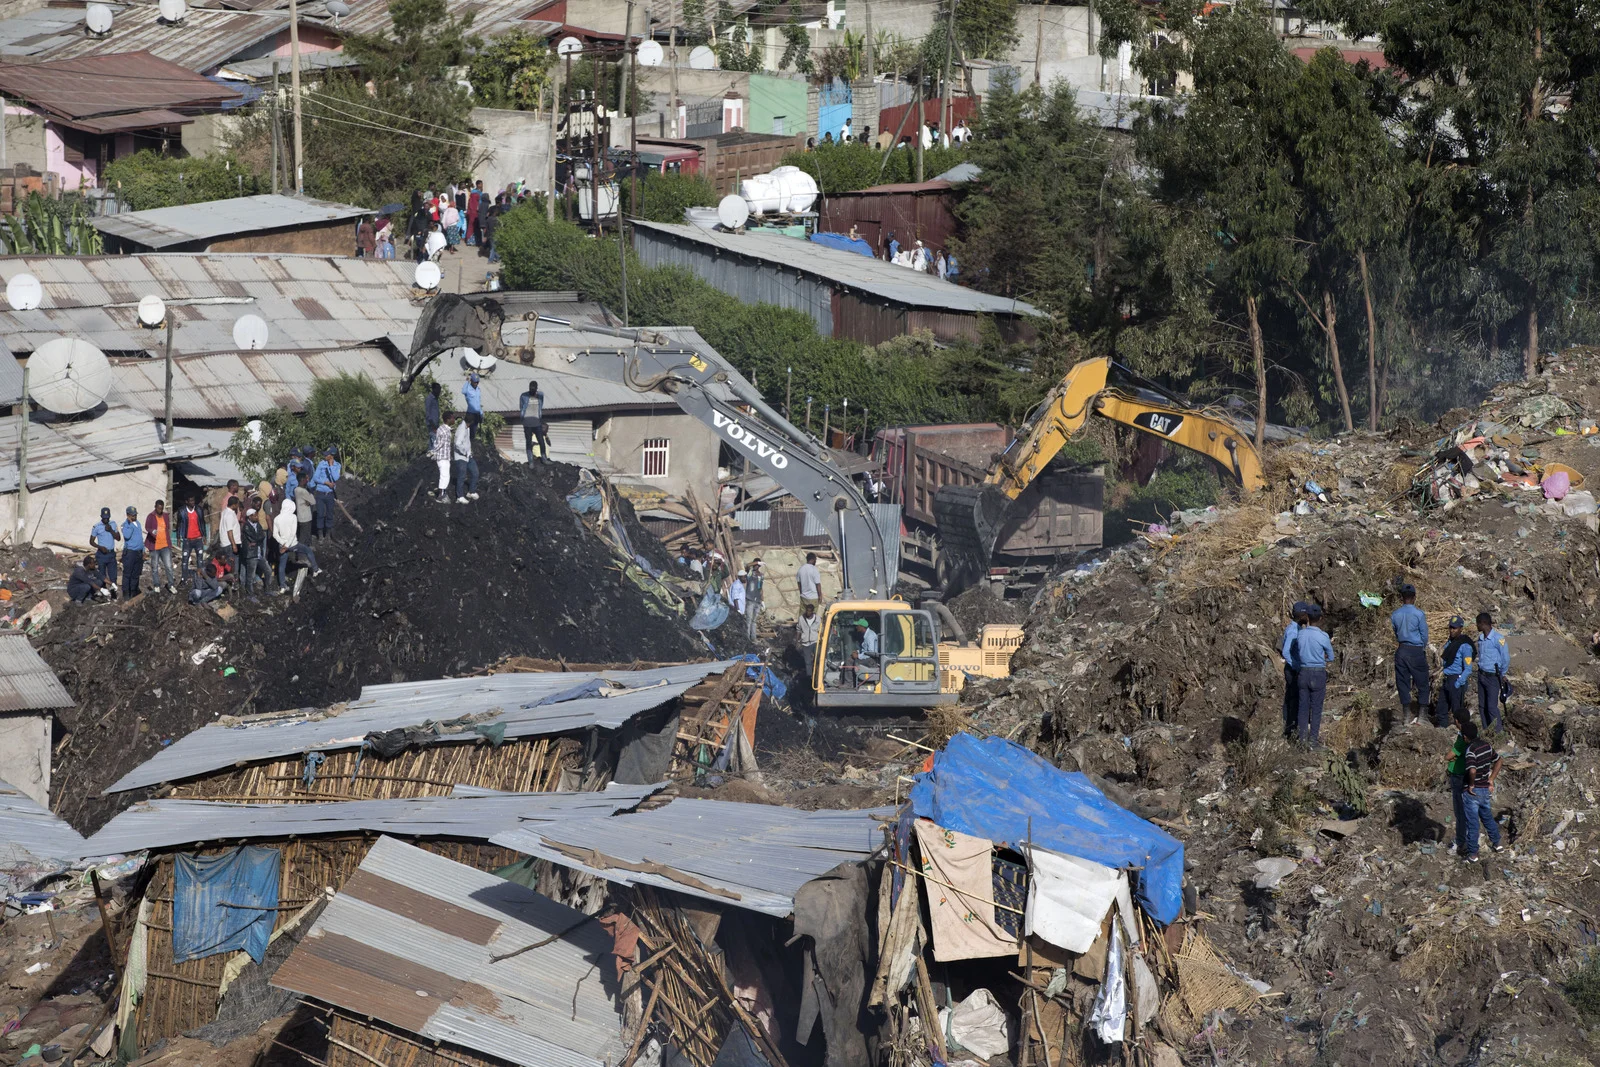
379,430
147,179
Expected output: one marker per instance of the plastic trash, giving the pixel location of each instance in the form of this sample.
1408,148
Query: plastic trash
978,1025
1556,486
1313,488
1579,502
712,612
1369,600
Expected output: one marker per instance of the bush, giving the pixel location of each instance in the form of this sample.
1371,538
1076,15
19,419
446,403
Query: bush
844,168
900,384
379,430
1583,990
663,197
147,179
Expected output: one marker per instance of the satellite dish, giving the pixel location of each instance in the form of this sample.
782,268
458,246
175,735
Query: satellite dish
250,333
98,18
474,361
733,212
337,8
702,58
651,53
152,311
429,275
569,46
23,292
68,376
173,10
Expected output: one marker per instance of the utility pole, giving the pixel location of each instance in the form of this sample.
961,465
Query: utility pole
555,100
622,253
5,164
22,461
273,110
808,414
294,87
672,59
870,59
788,391
633,122
166,439
922,121
949,50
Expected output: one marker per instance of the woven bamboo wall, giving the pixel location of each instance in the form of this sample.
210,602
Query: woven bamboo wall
353,1043
182,996
531,766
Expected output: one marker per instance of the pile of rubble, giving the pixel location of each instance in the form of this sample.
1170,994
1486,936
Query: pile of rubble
1327,874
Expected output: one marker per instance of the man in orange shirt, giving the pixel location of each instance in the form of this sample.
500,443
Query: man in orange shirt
158,540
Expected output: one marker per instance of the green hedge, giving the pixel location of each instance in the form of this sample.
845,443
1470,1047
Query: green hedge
898,384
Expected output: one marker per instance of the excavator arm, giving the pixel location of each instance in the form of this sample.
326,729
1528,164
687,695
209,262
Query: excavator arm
703,385
970,517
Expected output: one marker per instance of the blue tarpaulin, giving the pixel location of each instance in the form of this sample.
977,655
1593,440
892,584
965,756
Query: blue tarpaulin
844,243
992,788
224,903
771,684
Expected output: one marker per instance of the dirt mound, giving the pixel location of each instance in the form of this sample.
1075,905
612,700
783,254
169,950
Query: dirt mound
1160,672
982,605
421,590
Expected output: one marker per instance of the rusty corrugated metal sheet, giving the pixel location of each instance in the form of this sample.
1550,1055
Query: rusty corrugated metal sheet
203,40
110,84
118,439
412,938
26,681
914,212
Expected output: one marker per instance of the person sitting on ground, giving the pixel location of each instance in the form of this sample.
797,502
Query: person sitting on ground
210,580
85,583
1482,766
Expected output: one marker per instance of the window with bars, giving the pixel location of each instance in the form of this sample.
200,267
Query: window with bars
655,457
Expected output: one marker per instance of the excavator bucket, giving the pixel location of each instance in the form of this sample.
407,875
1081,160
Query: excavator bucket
969,518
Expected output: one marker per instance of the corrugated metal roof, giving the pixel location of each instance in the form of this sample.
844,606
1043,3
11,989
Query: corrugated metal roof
105,84
164,226
490,18
754,856
26,681
412,938
366,299
10,376
240,385
27,828
933,185
847,269
119,439
257,69
477,815
204,39
496,697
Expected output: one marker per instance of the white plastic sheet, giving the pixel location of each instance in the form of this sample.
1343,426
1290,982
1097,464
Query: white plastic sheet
1068,899
978,1024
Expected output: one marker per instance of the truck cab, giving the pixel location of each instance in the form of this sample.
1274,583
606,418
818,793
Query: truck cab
876,654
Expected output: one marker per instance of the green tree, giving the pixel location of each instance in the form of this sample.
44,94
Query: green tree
512,71
844,168
147,179
1507,90
379,429
1224,162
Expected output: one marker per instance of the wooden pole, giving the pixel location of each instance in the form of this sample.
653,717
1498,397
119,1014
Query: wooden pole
294,87
949,51
167,417
276,131
672,58
22,460
555,102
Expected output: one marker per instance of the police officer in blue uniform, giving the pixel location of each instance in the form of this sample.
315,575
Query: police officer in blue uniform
1291,668
1411,654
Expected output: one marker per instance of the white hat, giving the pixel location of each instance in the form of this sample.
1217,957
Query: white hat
742,572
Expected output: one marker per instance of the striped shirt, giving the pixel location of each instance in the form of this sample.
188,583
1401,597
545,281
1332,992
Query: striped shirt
1481,758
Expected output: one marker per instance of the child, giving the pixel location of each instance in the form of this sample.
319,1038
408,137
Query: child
1482,765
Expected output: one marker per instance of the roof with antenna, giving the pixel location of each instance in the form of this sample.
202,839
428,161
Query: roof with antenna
206,37
111,93
67,450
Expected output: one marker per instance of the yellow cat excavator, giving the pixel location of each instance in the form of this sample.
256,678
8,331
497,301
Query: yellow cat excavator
970,516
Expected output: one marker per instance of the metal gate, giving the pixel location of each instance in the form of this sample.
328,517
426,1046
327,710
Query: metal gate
571,441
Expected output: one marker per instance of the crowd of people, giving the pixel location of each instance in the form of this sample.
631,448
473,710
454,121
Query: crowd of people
439,223
259,533
959,134
919,257
1308,655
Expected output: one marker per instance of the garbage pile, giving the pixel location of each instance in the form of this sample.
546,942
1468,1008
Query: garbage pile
1329,874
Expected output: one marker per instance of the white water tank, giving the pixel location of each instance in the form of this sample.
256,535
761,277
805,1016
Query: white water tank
703,217
785,189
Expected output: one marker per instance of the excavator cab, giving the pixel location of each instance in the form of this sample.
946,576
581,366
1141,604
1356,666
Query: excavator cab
877,654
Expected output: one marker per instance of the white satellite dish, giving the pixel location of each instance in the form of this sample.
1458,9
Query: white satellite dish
68,376
337,8
471,359
98,18
173,10
651,53
702,58
429,275
250,332
733,212
569,46
152,311
23,292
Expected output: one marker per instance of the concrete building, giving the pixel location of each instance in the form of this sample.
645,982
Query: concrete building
846,294
270,223
30,693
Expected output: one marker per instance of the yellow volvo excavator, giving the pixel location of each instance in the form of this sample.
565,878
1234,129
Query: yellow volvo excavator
970,517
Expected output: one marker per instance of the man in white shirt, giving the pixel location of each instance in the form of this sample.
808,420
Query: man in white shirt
736,595
228,531
466,466
810,580
285,531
